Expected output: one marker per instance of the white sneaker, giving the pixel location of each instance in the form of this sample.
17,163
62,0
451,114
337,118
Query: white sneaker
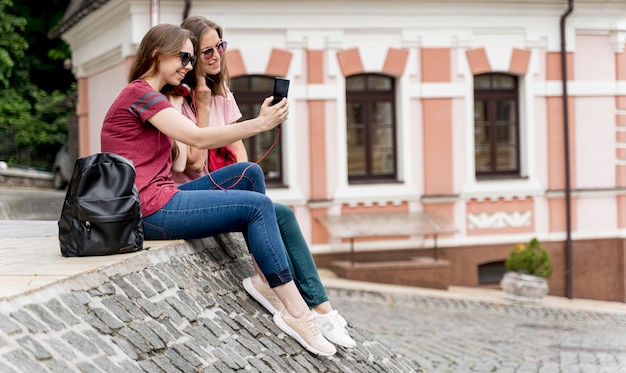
262,293
332,328
341,320
306,331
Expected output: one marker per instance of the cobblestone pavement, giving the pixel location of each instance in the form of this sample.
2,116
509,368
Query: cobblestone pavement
446,335
450,335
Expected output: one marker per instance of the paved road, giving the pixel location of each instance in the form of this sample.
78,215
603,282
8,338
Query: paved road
443,335
447,335
30,204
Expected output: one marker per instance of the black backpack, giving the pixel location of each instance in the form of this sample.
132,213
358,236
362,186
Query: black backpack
101,213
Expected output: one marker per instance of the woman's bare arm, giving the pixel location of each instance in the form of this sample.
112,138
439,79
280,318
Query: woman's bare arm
175,125
240,151
180,161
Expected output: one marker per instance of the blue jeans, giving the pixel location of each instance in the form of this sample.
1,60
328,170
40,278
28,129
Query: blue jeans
300,259
201,209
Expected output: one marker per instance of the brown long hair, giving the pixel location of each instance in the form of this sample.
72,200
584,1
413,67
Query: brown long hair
160,40
198,26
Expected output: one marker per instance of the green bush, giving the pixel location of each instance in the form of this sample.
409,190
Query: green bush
531,258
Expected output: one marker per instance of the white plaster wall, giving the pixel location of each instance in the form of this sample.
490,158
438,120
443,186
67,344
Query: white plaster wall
461,131
595,142
594,69
596,216
539,143
333,159
417,141
103,88
594,59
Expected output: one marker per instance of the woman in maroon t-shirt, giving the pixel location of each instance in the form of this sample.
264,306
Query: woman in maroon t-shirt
141,125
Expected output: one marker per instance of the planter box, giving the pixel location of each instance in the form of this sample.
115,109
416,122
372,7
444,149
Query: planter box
522,287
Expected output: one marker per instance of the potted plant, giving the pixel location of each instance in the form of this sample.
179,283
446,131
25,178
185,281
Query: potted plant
528,268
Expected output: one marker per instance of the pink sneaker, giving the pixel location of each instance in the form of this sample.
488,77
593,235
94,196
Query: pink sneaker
262,293
306,331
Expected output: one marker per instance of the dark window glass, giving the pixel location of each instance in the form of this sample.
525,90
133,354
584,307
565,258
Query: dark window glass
491,273
371,128
496,126
250,91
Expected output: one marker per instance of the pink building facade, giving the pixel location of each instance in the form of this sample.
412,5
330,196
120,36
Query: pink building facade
497,188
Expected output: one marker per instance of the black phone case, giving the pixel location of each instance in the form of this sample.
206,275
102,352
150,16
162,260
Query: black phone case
281,89
210,81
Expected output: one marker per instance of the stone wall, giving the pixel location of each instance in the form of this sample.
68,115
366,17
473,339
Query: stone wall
180,308
17,177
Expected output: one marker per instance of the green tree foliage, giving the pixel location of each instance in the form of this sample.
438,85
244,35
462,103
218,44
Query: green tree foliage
36,91
44,60
12,43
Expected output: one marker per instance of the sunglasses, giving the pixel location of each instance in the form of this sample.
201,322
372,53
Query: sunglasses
220,47
186,57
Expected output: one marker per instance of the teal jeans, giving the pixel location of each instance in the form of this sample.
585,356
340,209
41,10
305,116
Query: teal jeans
299,257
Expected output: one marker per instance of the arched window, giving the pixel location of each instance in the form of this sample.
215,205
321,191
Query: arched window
371,128
496,125
250,91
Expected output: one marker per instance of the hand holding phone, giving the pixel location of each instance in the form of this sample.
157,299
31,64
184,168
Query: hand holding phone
281,88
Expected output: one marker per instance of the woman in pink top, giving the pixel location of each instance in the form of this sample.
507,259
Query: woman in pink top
224,111
141,124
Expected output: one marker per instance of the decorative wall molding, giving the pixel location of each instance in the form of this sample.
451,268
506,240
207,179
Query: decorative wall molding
499,220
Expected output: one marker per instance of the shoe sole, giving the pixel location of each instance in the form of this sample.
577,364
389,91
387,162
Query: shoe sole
250,289
278,320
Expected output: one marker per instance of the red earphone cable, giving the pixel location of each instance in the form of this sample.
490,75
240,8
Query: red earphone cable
206,168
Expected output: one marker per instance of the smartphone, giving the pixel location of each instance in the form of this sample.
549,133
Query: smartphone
210,81
281,88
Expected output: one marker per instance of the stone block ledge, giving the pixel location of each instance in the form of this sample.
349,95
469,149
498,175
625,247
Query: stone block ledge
174,308
423,272
17,177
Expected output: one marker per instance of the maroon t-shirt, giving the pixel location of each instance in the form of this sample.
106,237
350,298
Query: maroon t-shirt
127,132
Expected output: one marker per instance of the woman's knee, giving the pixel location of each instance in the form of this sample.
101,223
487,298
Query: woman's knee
283,212
261,204
254,173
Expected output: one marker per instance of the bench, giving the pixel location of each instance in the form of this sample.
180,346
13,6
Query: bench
386,224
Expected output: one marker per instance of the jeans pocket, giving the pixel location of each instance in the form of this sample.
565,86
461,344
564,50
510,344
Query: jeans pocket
153,232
